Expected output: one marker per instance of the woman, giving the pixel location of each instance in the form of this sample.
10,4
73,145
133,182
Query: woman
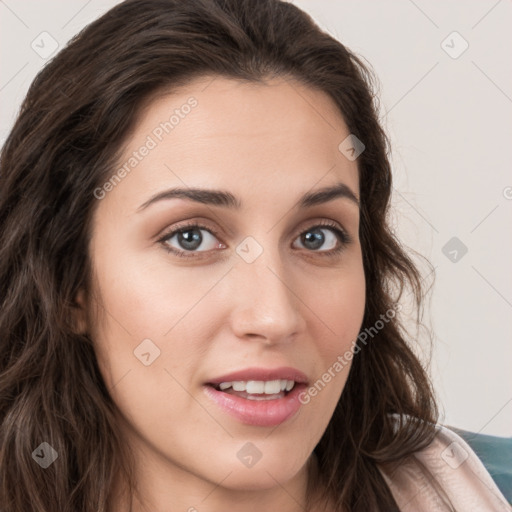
200,290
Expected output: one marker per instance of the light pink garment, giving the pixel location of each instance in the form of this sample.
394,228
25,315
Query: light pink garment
445,472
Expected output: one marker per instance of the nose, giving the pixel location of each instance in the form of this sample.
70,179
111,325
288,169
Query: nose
265,301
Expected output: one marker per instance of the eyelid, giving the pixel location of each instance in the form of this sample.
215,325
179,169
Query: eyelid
326,223
184,226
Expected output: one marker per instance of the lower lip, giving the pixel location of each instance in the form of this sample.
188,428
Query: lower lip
262,413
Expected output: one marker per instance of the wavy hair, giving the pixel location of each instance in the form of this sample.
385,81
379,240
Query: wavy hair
69,132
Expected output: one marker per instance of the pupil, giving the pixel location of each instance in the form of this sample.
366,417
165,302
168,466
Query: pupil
317,238
190,242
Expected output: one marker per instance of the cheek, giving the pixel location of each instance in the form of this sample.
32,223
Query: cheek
148,335
340,307
157,314
150,296
340,311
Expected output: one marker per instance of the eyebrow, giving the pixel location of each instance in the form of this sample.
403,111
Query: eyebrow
228,200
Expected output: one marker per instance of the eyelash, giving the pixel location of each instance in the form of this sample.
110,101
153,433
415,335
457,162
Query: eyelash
343,237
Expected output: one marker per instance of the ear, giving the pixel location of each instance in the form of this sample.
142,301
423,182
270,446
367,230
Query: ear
79,313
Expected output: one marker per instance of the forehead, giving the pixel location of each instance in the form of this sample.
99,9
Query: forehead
278,136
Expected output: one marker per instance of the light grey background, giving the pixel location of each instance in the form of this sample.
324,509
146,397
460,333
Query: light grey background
450,123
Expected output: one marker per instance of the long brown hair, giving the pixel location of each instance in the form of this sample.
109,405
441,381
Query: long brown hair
64,144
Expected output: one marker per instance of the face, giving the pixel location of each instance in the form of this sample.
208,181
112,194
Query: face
247,290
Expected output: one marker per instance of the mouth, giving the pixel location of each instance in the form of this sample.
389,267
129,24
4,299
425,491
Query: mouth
256,389
258,397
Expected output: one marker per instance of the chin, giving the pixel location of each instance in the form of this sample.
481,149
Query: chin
270,470
255,480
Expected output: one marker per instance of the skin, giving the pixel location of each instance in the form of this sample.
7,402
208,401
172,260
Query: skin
214,313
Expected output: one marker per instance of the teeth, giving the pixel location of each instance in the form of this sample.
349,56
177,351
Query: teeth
271,387
239,385
259,387
255,386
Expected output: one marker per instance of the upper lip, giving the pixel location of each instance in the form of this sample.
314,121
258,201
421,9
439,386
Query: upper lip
283,373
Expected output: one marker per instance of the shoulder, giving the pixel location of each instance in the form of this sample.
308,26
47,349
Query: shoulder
445,476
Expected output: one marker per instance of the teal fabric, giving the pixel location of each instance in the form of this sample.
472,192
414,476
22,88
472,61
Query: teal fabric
496,455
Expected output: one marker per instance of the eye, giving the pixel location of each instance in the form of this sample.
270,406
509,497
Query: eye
189,238
314,238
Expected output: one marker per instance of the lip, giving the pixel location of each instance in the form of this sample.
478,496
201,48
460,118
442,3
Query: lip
262,413
282,373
